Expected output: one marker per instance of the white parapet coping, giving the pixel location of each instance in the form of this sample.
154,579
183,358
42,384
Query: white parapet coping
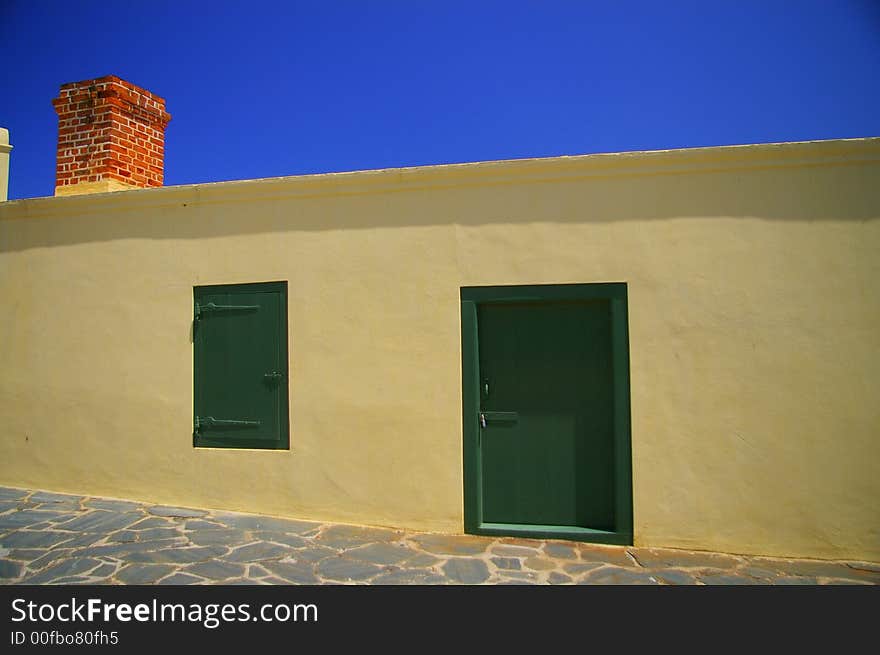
4,163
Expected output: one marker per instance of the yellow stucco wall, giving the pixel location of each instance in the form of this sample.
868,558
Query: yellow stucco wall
754,310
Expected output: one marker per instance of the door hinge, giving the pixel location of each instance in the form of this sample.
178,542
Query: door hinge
501,417
212,307
210,422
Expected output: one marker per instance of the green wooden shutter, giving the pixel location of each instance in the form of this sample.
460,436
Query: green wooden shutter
240,366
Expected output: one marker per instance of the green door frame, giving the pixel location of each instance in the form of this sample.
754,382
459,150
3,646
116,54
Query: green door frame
616,293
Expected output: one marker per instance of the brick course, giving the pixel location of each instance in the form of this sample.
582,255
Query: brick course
110,129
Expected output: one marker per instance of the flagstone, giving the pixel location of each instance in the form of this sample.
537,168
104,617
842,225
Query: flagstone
312,553
423,560
176,512
758,573
240,582
29,517
180,579
667,557
674,577
815,569
99,520
534,544
111,504
560,551
71,579
123,536
215,570
519,575
408,577
729,579
120,550
344,569
614,575
540,564
159,533
8,493
34,538
256,571
270,523
48,497
842,581
59,506
506,562
349,536
10,569
578,568
179,555
195,524
82,539
442,544
63,569
150,522
558,578
48,538
616,555
143,573
261,550
48,558
870,567
22,554
293,572
224,537
514,551
103,571
281,538
381,553
466,571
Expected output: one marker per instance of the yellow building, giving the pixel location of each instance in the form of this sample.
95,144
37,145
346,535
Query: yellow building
673,348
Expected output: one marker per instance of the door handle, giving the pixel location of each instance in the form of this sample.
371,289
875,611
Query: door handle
273,375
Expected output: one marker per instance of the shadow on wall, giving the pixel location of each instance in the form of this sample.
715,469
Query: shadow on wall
822,192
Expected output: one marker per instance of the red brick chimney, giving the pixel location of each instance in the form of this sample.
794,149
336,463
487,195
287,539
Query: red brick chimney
111,137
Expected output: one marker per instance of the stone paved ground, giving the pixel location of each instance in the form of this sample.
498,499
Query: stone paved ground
48,538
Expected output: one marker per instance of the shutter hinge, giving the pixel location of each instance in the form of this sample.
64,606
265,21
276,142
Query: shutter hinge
212,307
209,422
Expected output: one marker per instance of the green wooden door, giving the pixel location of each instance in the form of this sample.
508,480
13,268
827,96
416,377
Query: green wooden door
240,366
550,455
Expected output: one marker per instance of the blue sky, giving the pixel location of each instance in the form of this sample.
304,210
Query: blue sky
261,89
